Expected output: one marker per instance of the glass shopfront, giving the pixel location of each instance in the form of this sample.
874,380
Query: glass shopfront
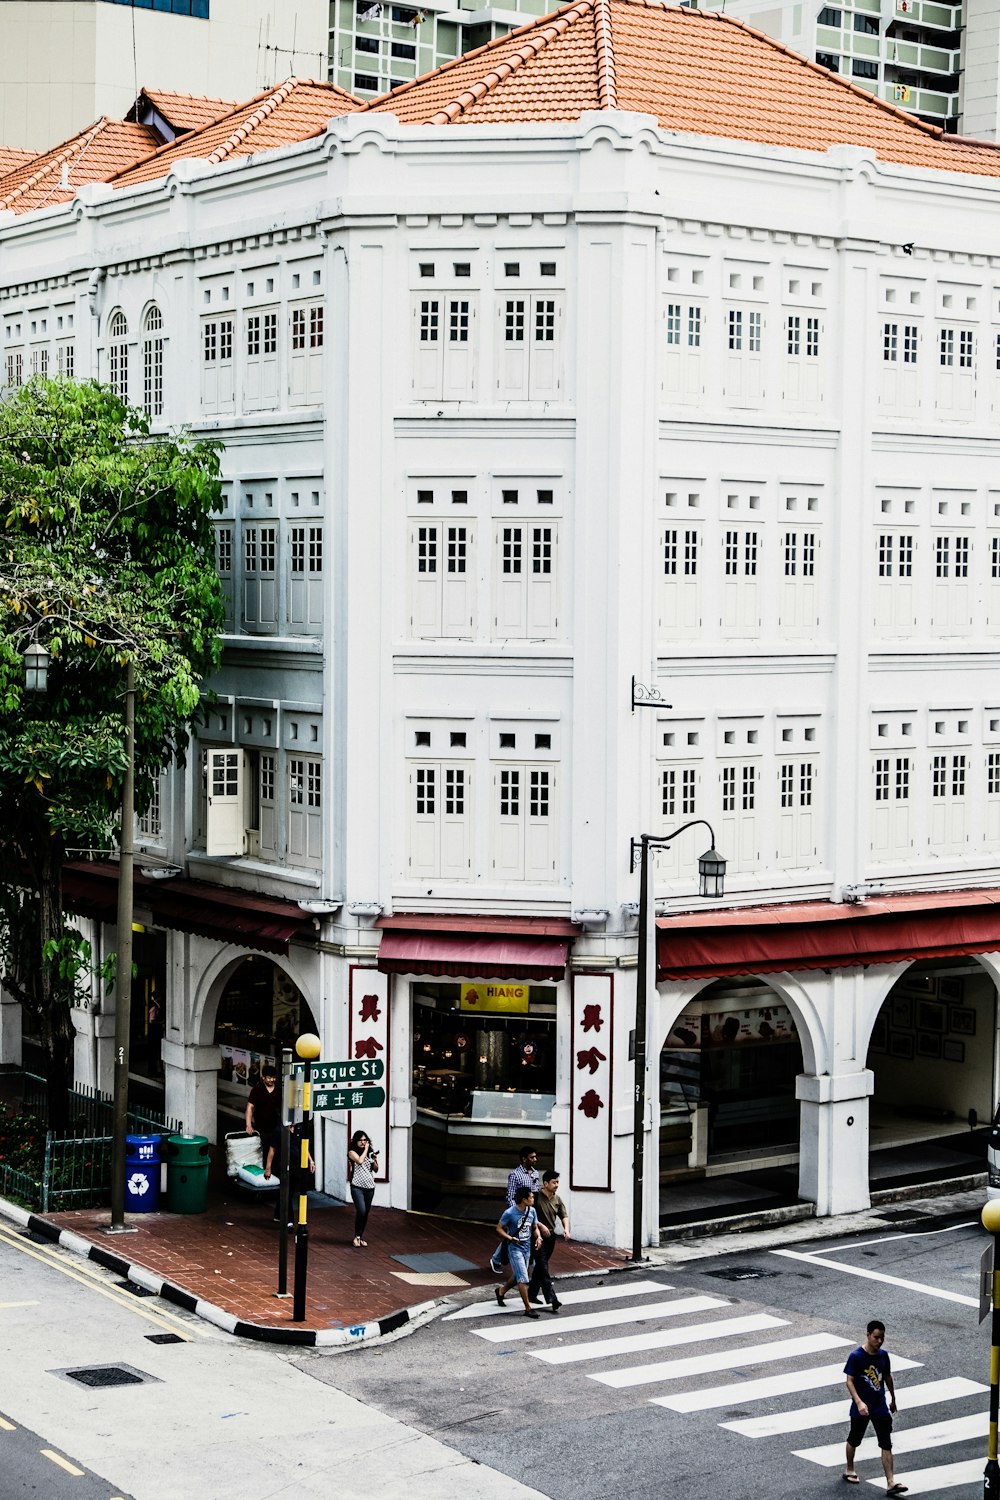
734,1055
484,1078
260,1012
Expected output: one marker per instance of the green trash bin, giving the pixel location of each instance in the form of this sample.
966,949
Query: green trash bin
187,1174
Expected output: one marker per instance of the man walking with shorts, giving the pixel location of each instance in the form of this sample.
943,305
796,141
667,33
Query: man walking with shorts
868,1378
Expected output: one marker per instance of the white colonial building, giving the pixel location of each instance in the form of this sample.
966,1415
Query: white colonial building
550,376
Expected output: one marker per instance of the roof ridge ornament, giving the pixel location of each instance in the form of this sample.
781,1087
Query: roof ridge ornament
607,83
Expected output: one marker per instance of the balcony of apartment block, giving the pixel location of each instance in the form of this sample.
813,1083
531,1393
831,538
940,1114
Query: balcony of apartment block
936,106
922,13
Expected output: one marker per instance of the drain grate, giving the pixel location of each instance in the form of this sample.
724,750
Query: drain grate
164,1338
743,1273
34,1237
896,1215
98,1376
137,1291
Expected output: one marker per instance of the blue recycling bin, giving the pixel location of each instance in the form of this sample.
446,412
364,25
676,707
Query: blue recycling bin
142,1174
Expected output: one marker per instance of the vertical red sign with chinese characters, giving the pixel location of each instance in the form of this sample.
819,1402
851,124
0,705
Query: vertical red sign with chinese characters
368,1037
591,1074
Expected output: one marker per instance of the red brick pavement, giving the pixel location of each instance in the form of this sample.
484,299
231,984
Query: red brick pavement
229,1256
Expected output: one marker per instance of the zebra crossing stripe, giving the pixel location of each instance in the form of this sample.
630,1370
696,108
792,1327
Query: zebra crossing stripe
518,1329
906,1440
741,1391
663,1338
834,1413
621,1289
729,1359
941,1477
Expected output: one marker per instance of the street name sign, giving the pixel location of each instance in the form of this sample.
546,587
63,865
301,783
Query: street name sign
349,1098
352,1070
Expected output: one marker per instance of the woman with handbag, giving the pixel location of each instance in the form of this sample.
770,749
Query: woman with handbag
518,1229
362,1159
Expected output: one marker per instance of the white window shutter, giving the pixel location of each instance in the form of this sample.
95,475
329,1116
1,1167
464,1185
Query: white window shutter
225,832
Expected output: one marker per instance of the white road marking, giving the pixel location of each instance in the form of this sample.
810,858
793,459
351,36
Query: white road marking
741,1391
910,1234
730,1359
524,1328
6,1426
590,1294
941,1477
5,1305
907,1440
663,1338
869,1275
834,1413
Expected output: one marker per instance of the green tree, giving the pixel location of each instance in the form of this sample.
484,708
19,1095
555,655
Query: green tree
106,557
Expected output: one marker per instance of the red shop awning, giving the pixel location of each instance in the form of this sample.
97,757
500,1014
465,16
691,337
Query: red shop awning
825,935
266,924
475,948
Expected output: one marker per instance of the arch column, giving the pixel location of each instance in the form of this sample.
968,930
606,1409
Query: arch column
190,1092
833,1149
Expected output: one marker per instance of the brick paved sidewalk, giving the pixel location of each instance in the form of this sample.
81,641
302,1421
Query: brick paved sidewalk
229,1256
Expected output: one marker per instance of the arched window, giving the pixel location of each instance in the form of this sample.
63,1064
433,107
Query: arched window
152,362
118,354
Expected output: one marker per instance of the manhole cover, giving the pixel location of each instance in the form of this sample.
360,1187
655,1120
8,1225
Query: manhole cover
137,1291
164,1338
894,1215
97,1376
742,1273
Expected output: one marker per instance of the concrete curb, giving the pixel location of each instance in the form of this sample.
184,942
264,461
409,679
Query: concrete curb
397,1324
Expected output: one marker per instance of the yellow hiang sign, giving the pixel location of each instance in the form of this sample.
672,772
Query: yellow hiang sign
495,997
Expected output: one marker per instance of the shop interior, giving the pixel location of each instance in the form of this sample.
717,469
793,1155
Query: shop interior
260,1012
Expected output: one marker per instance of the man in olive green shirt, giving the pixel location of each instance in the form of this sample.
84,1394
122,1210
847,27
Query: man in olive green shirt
550,1210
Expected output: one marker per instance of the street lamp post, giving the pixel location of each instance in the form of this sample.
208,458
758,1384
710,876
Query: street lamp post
991,1474
711,876
123,966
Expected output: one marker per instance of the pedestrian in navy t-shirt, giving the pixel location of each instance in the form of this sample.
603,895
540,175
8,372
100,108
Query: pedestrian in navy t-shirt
868,1378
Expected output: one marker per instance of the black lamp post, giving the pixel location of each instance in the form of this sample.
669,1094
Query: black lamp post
711,877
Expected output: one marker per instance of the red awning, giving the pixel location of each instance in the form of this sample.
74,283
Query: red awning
825,935
265,923
453,947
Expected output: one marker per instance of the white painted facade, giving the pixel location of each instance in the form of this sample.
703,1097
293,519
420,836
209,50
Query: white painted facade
64,63
708,464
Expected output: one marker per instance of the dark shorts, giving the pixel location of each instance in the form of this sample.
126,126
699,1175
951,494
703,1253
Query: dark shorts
882,1423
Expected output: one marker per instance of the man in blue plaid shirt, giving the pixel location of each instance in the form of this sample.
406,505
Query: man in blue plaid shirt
525,1175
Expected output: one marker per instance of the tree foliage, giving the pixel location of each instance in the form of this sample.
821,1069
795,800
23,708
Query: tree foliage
106,558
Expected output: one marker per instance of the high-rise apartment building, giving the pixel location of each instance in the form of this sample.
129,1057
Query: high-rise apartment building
376,46
939,61
64,63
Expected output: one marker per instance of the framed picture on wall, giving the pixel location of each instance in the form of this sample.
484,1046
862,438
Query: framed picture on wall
902,1013
931,1016
951,989
900,1046
928,1044
920,984
953,1051
962,1020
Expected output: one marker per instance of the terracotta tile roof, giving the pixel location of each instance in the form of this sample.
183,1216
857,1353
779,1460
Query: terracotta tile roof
683,66
293,112
10,158
187,111
94,155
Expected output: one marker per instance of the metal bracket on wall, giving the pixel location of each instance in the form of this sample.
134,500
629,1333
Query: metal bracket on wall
647,697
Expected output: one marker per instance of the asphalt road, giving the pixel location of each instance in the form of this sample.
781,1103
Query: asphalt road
720,1376
201,1416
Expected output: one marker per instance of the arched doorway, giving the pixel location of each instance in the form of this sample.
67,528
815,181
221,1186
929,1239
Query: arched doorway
933,1055
260,1011
727,1102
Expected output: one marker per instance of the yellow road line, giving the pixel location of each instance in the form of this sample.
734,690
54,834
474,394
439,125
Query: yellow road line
4,1305
6,1426
63,1463
159,1320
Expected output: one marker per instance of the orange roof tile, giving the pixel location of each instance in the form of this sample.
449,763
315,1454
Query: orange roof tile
94,155
293,112
684,67
188,111
10,158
